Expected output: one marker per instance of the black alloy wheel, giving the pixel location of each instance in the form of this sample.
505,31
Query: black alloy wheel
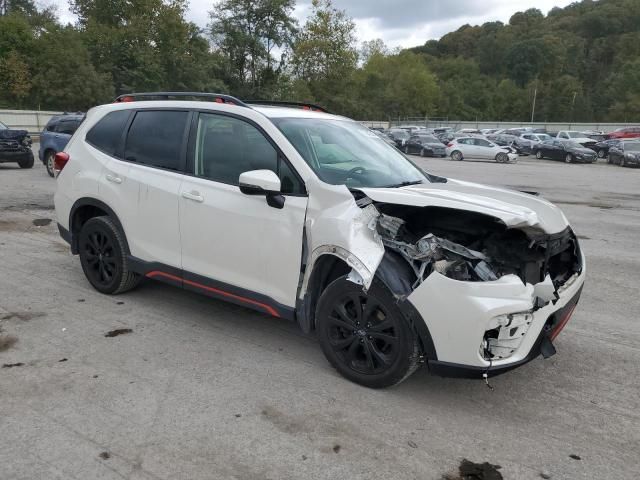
539,154
103,257
568,158
423,153
601,153
364,336
406,149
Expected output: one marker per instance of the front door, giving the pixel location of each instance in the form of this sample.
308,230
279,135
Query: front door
249,252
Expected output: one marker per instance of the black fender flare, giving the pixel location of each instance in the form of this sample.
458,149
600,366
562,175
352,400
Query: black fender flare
92,202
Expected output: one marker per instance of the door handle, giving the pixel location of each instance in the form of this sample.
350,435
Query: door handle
193,195
113,178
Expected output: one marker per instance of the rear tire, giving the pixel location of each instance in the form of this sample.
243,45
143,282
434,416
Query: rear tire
423,153
406,149
623,163
456,155
538,154
568,158
364,336
27,162
601,153
49,159
103,256
502,158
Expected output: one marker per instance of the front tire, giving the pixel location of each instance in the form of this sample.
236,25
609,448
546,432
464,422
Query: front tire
49,159
406,149
568,158
364,335
423,153
502,158
538,154
602,153
27,162
103,256
623,163
456,155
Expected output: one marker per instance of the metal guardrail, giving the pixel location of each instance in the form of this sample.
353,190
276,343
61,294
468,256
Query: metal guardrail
32,121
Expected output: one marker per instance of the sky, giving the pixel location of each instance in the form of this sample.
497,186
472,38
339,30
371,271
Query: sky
399,23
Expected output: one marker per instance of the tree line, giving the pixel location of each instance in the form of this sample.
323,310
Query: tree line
581,62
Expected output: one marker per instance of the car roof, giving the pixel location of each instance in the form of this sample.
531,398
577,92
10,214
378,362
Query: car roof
267,110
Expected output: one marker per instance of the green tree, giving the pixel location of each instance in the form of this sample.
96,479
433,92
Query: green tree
14,78
246,33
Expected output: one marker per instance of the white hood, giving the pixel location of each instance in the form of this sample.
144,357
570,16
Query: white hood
513,208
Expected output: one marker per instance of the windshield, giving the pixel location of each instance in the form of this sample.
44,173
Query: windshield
543,136
575,134
3,126
632,147
346,153
429,139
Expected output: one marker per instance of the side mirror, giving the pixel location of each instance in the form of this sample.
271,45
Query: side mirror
263,182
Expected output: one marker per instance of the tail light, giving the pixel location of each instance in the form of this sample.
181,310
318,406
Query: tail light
449,144
60,161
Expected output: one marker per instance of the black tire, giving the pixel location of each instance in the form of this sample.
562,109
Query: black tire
364,335
502,158
456,155
49,158
423,153
103,257
27,162
568,158
623,163
539,155
406,149
602,153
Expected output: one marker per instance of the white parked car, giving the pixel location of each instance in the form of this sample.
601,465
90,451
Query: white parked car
469,148
578,137
311,217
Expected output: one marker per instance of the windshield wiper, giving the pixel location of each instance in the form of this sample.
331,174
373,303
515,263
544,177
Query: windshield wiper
404,184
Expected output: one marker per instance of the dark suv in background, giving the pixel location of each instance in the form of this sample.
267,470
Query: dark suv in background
55,136
15,146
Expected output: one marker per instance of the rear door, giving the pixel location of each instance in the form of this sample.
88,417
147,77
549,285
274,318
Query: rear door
484,148
155,149
235,245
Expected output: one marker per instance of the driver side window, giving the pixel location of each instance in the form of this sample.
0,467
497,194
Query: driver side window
226,146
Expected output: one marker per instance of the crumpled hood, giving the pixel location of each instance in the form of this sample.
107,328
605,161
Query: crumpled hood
438,145
513,208
13,134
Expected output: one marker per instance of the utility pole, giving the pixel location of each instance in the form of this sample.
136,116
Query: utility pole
533,108
573,102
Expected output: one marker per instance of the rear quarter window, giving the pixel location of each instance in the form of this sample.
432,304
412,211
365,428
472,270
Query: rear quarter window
106,135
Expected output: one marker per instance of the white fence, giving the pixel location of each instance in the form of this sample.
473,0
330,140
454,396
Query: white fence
549,126
31,120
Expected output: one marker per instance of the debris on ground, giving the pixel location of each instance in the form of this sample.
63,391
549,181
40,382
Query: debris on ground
7,341
41,222
23,316
544,474
62,360
412,444
575,457
336,448
11,365
118,331
475,471
105,455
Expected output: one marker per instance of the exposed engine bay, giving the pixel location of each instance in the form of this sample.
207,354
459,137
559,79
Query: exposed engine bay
469,246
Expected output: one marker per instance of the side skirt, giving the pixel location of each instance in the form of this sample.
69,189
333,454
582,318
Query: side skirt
211,288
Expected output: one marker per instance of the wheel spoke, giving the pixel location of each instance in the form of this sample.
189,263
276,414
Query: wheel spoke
369,309
386,338
369,355
342,324
343,314
357,306
343,343
382,326
351,352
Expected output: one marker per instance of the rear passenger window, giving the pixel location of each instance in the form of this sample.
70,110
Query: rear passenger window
155,138
106,134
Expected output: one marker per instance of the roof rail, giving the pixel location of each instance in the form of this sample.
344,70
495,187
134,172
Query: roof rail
303,105
216,97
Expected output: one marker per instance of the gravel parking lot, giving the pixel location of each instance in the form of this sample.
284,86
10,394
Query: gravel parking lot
201,389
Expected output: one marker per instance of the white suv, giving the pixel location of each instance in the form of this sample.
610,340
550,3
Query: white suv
312,217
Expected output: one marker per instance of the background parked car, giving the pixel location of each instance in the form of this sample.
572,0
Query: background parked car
479,148
625,154
626,132
384,137
526,141
15,146
578,137
424,145
55,136
602,148
507,140
488,131
399,136
566,150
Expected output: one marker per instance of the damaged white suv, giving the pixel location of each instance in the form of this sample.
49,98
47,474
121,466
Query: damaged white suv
311,217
